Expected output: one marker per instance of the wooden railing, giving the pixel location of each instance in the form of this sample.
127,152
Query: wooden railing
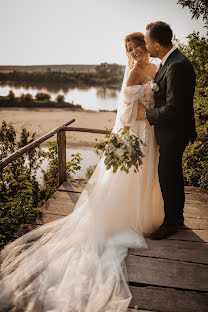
61,139
61,142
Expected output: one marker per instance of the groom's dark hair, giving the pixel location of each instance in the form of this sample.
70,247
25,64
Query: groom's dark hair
161,33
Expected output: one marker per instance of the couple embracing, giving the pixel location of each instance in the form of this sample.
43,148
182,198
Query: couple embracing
77,263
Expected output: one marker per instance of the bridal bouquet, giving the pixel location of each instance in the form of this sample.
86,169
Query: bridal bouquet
121,150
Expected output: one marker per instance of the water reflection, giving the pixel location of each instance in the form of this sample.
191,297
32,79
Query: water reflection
90,98
106,93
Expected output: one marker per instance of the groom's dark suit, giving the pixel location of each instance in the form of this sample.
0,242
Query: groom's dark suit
173,119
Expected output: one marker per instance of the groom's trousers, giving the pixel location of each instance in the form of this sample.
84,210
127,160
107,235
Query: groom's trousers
170,173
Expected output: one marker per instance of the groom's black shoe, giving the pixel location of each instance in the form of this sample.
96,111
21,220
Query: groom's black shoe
163,232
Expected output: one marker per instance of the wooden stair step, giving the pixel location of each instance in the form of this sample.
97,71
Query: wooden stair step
167,273
187,251
168,299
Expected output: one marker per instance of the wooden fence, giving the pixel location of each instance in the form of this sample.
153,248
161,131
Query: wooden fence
61,141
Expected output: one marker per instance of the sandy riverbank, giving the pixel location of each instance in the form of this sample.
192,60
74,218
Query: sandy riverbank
42,121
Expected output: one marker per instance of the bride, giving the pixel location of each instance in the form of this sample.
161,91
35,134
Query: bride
76,264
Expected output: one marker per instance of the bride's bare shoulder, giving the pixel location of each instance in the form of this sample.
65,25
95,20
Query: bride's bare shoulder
133,78
154,67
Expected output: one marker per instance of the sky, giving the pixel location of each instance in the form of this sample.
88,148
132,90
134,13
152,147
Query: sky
39,32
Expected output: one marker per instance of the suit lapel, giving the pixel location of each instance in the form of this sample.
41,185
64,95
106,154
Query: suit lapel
164,68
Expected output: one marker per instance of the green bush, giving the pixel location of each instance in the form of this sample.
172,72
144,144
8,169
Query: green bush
21,195
41,100
195,157
60,98
89,171
50,176
19,189
40,96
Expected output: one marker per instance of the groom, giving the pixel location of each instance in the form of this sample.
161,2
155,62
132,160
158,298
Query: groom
173,120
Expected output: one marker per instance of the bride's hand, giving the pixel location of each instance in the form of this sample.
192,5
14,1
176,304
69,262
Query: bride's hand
141,110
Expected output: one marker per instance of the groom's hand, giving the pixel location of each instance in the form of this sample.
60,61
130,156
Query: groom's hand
141,110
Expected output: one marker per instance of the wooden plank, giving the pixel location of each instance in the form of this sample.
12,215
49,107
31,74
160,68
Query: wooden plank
138,310
196,190
60,204
61,141
65,197
194,209
168,300
195,223
191,235
169,273
194,201
90,130
57,209
47,217
174,250
73,186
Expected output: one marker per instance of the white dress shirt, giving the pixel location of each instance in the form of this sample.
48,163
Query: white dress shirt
166,55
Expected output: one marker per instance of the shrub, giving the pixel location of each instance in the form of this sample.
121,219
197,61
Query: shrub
40,96
21,195
60,98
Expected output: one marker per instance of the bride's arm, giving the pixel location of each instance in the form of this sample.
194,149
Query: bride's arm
140,111
131,105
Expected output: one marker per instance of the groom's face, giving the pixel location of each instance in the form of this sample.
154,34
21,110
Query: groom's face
151,46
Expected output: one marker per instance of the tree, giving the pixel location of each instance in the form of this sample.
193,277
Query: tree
195,158
105,69
198,8
60,98
41,96
11,95
197,52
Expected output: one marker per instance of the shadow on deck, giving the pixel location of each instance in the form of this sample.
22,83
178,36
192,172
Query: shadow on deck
172,275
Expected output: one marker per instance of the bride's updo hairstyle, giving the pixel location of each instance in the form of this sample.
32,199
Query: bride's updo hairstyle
138,39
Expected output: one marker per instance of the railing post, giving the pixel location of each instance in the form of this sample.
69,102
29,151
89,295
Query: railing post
61,141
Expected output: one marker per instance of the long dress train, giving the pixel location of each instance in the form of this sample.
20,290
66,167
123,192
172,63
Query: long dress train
77,263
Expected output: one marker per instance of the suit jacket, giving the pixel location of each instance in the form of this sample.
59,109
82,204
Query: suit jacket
173,111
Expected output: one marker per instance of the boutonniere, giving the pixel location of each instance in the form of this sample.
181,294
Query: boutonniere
154,86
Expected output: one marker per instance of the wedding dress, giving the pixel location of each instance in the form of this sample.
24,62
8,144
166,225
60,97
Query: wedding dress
76,264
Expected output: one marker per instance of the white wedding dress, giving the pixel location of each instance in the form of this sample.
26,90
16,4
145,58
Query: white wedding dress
76,264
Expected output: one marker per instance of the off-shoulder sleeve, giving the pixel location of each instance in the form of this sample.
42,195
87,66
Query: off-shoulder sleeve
131,96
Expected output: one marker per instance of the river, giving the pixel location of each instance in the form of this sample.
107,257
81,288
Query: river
90,98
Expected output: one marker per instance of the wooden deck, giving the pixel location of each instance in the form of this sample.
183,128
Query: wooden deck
172,275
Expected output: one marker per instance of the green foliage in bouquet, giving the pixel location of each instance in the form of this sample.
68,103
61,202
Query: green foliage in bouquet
121,150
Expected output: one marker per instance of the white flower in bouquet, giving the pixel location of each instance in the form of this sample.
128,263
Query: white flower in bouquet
121,150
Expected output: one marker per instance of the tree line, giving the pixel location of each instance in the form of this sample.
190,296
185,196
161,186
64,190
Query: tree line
41,100
104,74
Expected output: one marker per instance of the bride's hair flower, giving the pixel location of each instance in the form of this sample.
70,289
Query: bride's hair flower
121,150
154,86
